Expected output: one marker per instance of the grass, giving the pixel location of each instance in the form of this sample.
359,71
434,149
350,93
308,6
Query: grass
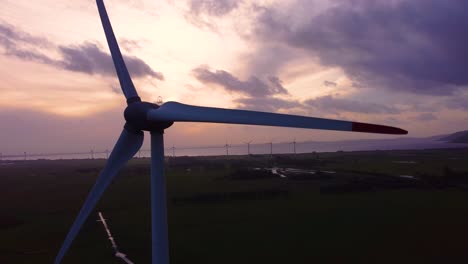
40,200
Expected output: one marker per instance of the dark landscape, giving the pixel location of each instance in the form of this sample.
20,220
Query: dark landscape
344,207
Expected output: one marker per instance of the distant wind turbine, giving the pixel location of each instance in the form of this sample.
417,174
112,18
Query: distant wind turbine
248,146
294,145
271,148
144,116
227,148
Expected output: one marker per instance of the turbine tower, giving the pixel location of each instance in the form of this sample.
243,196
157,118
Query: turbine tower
144,116
294,145
227,148
248,146
271,148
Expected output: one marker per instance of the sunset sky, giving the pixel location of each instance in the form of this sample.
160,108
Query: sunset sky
396,62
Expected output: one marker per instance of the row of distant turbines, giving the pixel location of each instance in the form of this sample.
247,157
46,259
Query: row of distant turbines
93,154
227,146
25,156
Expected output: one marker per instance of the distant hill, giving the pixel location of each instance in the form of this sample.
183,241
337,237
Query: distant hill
457,137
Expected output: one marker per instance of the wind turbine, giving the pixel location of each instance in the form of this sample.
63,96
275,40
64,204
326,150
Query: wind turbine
173,151
294,146
227,148
271,148
248,146
144,116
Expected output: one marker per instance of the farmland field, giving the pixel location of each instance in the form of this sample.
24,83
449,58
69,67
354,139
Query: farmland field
341,207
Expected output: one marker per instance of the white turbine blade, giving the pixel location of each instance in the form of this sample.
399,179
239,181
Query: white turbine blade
125,148
177,112
124,77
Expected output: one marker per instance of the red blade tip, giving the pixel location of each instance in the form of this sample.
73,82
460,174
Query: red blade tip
371,128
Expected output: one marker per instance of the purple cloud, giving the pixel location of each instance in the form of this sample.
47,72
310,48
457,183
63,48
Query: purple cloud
458,102
90,58
329,83
87,58
411,45
267,104
201,12
426,117
10,36
330,103
213,7
253,86
129,44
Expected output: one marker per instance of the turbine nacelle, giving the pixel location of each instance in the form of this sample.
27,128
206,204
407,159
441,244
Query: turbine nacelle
136,115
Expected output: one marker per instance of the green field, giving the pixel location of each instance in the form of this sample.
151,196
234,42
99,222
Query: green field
216,216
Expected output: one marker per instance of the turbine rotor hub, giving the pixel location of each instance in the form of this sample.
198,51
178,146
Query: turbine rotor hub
136,116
